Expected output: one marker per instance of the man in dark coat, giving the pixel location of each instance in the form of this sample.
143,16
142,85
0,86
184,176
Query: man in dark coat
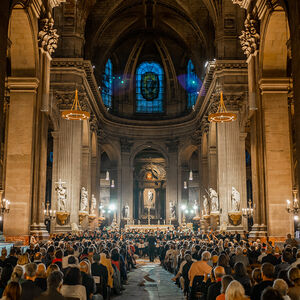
214,289
54,283
29,289
151,246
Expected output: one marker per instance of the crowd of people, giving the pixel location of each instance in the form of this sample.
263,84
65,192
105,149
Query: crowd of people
206,266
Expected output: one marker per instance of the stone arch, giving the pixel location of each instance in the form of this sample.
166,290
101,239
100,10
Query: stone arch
186,153
111,152
274,37
23,43
140,148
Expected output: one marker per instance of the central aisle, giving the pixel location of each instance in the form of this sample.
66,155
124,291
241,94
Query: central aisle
158,286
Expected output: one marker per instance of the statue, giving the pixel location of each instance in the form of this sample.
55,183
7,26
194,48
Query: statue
235,200
61,196
150,198
84,200
93,205
126,211
172,210
214,200
223,227
205,206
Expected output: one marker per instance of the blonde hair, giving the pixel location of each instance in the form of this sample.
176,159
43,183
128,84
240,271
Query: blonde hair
235,291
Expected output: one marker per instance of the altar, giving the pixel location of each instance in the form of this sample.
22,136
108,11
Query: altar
155,227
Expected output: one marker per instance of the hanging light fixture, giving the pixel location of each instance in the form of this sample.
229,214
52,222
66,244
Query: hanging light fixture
75,113
191,175
222,115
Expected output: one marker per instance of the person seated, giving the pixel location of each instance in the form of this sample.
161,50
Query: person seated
240,274
281,286
100,275
54,285
87,280
270,293
214,289
72,285
226,279
200,268
267,270
40,279
29,289
58,258
284,264
294,277
235,291
12,291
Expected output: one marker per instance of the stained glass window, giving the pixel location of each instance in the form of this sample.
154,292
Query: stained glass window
192,84
149,88
107,84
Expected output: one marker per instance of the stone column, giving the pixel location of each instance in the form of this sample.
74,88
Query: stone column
19,162
204,169
126,184
231,167
277,149
172,184
212,156
40,148
69,166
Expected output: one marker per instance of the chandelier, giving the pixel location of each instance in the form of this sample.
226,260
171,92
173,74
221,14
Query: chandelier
293,208
75,113
222,115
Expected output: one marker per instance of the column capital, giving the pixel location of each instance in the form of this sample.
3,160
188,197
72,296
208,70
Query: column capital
275,85
23,84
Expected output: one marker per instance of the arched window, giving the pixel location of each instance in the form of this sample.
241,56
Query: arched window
192,85
149,88
107,84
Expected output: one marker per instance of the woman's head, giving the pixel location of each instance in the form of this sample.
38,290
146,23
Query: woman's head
226,279
256,275
234,291
223,260
51,269
17,274
12,291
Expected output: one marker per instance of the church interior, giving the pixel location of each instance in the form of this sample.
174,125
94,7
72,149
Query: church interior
140,113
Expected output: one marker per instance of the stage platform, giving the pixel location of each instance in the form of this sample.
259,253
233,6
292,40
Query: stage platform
150,227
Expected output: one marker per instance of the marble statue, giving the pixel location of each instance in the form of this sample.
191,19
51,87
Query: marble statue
61,196
235,200
205,206
214,200
126,211
150,197
172,210
93,205
223,227
84,202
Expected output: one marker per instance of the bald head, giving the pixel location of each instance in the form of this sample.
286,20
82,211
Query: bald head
219,272
84,266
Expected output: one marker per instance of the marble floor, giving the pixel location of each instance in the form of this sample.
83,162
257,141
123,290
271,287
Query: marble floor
150,281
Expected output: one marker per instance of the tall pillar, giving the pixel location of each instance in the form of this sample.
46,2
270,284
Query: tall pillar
231,167
126,184
203,169
172,183
19,162
69,166
40,148
212,156
277,148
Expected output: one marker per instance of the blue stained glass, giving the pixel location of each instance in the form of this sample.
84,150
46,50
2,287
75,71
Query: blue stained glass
107,84
149,88
192,84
